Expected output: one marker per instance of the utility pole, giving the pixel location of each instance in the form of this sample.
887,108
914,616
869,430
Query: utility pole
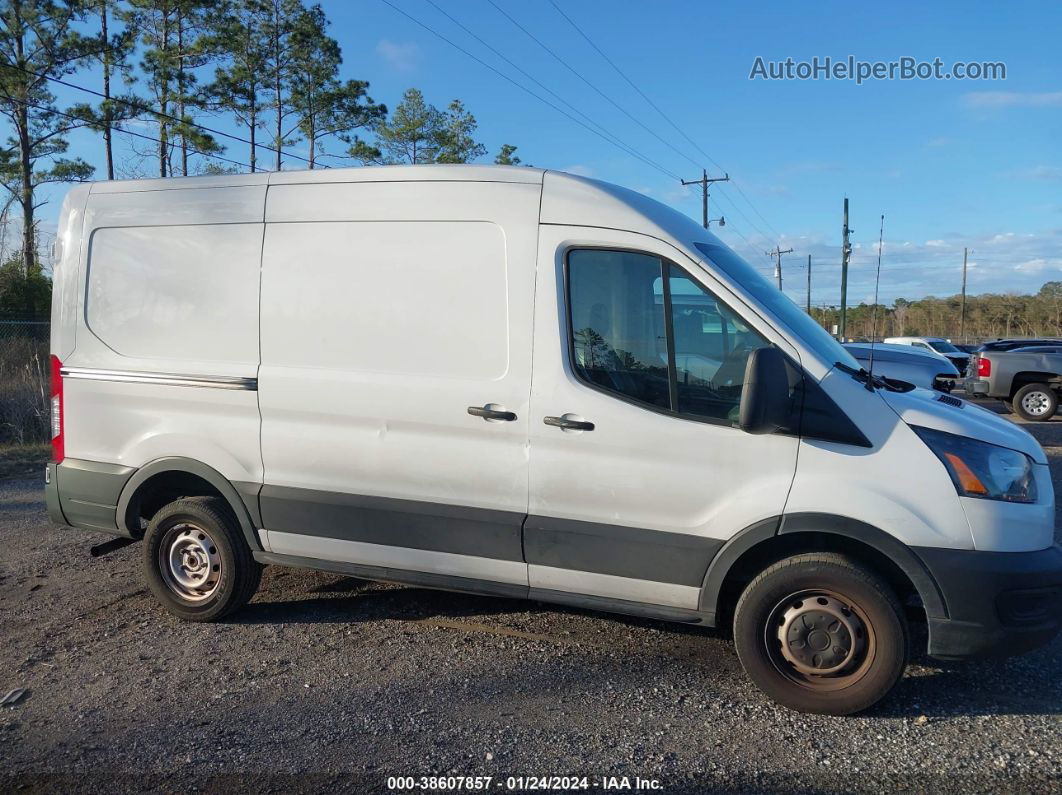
809,284
704,182
962,310
846,253
777,254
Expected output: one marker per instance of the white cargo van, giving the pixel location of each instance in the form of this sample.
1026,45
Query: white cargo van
524,383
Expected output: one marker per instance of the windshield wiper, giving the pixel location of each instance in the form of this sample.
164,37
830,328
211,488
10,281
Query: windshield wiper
877,381
860,375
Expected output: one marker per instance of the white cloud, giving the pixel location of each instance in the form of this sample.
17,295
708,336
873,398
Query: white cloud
998,263
1039,264
579,170
401,56
1013,99
1040,172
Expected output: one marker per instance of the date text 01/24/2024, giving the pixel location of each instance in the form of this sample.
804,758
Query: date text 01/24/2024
520,783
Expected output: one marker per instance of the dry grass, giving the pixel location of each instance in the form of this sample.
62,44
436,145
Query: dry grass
24,403
23,460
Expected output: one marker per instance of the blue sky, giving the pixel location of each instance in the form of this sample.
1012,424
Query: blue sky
950,163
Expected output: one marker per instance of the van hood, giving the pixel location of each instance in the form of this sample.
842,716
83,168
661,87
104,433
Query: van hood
931,409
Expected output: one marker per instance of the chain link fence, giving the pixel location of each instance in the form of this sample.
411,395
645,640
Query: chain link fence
24,402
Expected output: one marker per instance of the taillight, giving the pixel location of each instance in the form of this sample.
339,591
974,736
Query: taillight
984,367
58,446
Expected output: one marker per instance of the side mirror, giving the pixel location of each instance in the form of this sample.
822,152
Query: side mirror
767,395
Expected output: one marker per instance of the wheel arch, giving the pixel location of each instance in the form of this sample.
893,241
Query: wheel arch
767,541
1026,377
174,477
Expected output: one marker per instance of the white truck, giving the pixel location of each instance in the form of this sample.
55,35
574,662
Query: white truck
939,345
524,383
905,363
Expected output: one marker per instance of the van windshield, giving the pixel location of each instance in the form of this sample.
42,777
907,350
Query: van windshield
799,322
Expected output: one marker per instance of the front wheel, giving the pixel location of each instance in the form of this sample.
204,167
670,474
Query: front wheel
196,560
1035,402
819,632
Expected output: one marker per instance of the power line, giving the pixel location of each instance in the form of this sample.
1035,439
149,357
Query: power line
524,88
158,114
748,201
597,90
609,99
620,72
751,248
121,130
616,139
662,114
748,220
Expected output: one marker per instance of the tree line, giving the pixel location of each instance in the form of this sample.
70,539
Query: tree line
163,73
988,316
167,74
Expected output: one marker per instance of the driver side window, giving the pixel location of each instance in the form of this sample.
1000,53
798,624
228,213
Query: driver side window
712,345
642,329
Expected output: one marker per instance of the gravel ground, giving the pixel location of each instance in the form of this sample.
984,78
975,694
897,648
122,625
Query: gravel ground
328,682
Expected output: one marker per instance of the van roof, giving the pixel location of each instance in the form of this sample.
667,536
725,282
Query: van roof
421,173
567,199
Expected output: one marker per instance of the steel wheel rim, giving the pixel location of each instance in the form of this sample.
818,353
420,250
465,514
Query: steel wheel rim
1036,403
812,616
190,562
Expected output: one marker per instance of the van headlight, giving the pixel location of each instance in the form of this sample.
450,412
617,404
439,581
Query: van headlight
979,469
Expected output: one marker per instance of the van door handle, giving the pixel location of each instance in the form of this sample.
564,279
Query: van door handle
567,423
489,412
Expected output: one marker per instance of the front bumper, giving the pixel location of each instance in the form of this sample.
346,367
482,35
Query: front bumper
999,603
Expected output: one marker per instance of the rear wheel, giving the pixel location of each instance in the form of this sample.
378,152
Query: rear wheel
196,560
819,632
1035,402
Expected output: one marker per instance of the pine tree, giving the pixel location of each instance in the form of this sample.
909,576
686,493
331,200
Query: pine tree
283,18
507,156
240,30
323,105
37,42
455,141
111,50
172,33
418,132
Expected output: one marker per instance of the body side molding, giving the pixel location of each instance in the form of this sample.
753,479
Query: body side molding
162,379
617,550
401,523
424,579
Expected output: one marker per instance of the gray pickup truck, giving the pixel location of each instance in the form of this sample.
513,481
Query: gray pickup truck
1027,380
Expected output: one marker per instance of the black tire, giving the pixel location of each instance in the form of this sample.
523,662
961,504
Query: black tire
196,560
814,598
1035,402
